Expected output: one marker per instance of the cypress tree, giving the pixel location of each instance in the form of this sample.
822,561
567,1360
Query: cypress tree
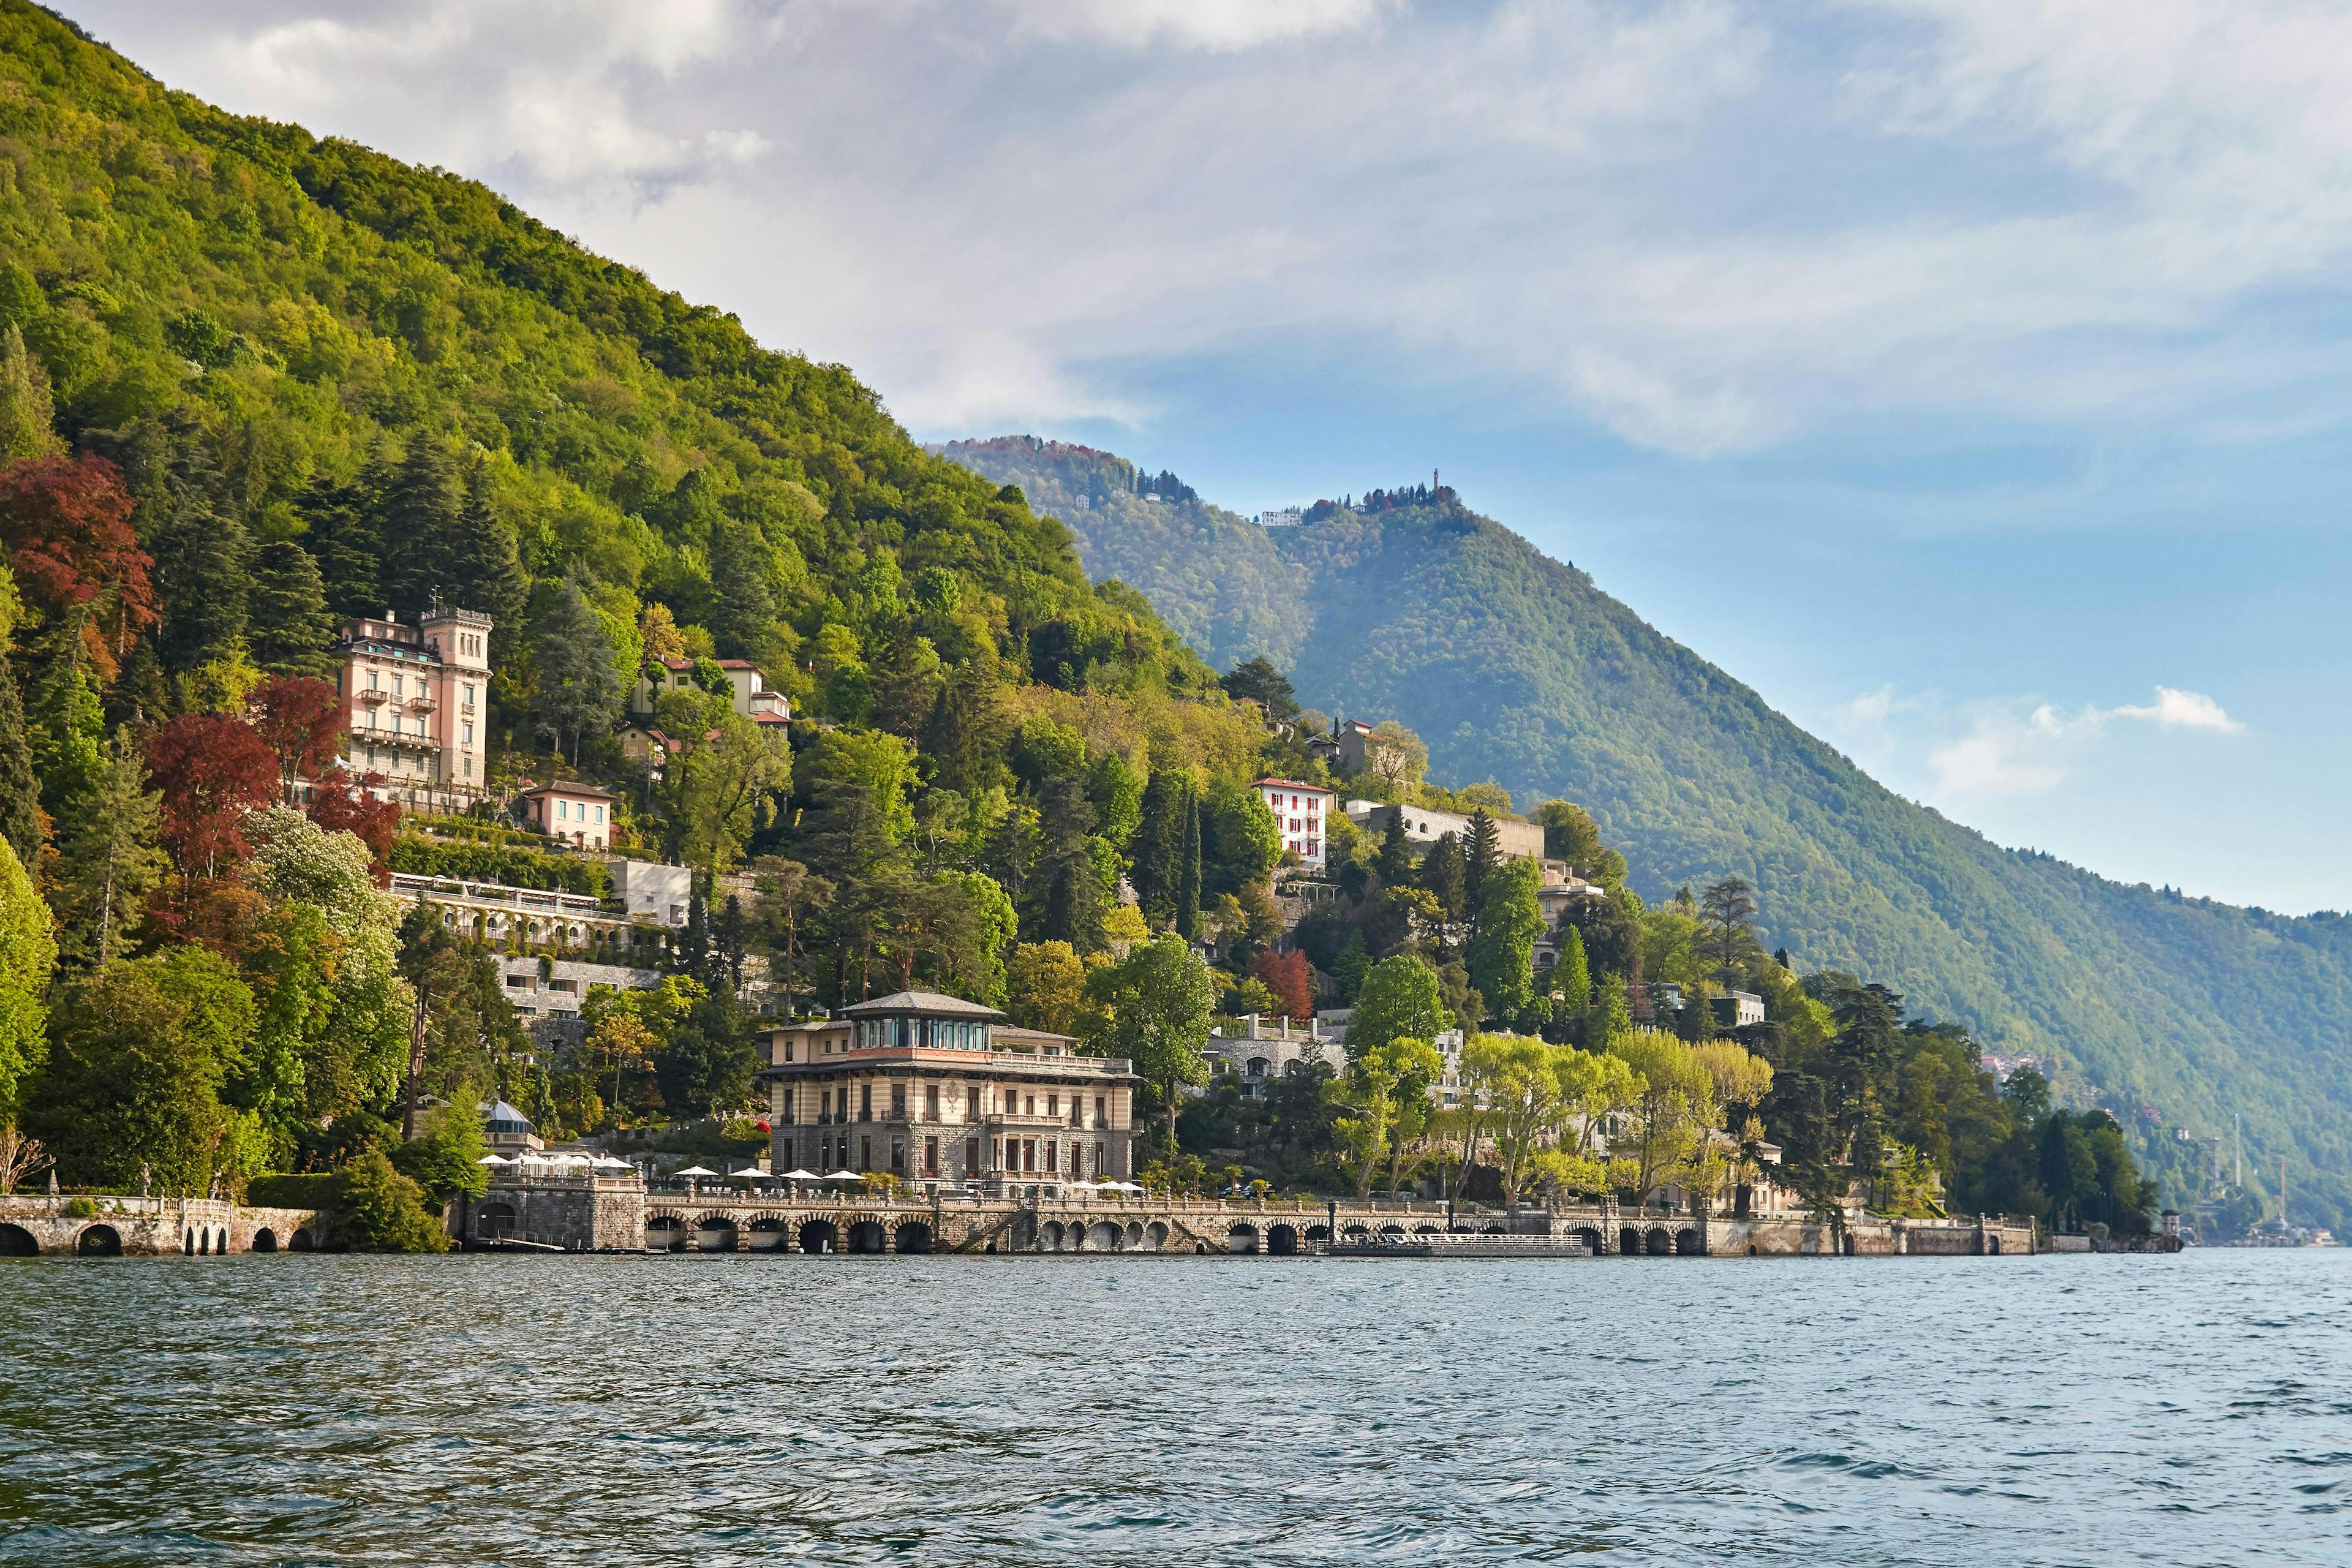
1395,863
1480,857
1158,844
1575,973
578,685
484,570
1188,868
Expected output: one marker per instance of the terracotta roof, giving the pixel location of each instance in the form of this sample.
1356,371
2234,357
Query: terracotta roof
566,786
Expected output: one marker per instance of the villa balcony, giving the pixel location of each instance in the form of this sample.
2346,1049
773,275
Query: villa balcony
423,702
371,696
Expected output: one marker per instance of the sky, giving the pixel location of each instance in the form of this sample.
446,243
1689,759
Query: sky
1974,381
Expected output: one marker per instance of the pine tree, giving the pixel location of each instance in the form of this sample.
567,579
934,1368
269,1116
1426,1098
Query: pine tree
578,685
27,421
291,625
112,857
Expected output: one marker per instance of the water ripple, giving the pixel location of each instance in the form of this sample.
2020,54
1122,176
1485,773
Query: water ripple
723,1411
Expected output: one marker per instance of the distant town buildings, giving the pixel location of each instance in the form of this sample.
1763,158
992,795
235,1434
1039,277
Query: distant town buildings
751,698
1300,812
1288,516
581,814
1423,827
414,698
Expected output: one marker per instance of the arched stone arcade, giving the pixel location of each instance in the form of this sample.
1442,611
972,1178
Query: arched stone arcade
16,1241
99,1241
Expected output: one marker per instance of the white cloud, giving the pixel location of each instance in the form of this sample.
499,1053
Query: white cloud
1212,25
2183,709
1996,748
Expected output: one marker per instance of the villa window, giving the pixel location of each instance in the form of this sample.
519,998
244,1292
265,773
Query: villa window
1102,1117
897,1102
931,1102
864,1102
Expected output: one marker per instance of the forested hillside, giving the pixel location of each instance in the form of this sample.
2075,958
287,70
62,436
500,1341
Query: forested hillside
252,383
1516,667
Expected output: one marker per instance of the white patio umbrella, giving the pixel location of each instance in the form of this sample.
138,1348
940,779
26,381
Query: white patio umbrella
798,1176
844,1176
494,1160
695,1171
607,1162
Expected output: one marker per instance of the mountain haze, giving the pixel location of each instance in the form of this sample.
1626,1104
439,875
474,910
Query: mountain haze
2171,1010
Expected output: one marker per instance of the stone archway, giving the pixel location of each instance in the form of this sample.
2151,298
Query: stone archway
665,1233
1992,1245
1687,1242
220,1242
188,1243
1050,1237
1135,1236
1660,1243
1105,1236
767,1234
16,1241
99,1241
1282,1241
1591,1236
302,1241
714,1232
1850,1248
1241,1240
1155,1234
496,1222
1319,1233
914,1236
1429,1230
1629,1243
820,1236
866,1235
264,1240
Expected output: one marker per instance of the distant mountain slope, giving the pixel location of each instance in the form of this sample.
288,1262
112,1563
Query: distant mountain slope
1517,667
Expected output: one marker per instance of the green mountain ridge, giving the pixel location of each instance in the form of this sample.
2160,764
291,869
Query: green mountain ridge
2173,1012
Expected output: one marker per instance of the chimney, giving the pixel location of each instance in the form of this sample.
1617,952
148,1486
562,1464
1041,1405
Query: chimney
392,617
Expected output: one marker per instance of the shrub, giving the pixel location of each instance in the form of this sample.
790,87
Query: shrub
377,1209
512,865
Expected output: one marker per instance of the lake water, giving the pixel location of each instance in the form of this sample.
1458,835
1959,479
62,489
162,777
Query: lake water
740,1410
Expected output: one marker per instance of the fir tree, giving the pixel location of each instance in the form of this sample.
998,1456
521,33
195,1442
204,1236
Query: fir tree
421,507
291,625
1480,855
112,857
485,571
742,601
1395,863
347,544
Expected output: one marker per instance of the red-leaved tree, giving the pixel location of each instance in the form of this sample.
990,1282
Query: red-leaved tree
301,722
211,769
1291,979
66,523
341,803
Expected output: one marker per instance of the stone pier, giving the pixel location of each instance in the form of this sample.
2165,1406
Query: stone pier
591,1214
101,1225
